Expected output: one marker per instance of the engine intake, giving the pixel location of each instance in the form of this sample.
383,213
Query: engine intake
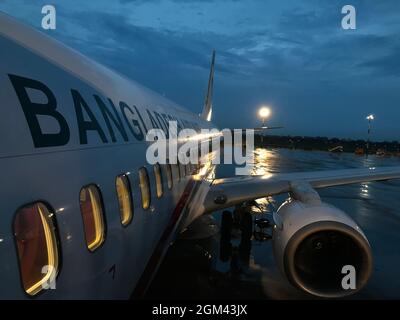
313,242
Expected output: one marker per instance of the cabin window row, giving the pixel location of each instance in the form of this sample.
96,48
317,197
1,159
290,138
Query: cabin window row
35,228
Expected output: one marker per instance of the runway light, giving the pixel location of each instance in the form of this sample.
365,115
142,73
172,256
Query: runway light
264,112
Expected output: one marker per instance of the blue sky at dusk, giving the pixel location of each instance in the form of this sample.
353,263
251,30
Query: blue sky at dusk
292,55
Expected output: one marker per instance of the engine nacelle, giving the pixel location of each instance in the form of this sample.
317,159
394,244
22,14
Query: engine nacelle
312,243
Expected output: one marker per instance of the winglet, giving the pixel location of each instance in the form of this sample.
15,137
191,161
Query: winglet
207,109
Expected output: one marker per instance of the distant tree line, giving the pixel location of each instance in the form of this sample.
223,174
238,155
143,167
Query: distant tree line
324,143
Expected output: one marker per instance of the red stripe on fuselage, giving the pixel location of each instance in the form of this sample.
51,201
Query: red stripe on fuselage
151,266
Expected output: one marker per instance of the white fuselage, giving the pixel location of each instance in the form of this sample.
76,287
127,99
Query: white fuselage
53,163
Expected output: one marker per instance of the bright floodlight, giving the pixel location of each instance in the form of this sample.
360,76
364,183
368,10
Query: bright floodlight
370,117
264,112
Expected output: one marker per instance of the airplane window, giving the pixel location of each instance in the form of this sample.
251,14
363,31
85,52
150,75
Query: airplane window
124,198
168,170
92,215
36,240
159,182
144,187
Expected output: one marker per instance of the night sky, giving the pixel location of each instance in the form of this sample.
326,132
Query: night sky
319,79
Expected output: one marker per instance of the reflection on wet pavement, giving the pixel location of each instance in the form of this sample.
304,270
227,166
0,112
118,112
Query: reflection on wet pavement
231,265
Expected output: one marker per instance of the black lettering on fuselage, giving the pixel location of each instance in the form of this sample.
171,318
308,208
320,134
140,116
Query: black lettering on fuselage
183,125
166,120
154,124
141,119
86,119
162,123
138,133
178,124
83,125
32,110
107,115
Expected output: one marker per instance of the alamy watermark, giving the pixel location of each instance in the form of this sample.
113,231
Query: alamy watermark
49,18
349,280
191,147
50,277
349,20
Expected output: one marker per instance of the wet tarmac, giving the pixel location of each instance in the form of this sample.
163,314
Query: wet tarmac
224,265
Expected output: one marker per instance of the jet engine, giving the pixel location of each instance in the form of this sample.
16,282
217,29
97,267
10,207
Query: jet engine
315,243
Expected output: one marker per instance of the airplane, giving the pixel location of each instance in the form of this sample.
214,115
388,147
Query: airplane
84,216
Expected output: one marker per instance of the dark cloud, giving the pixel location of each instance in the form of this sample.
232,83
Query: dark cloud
302,20
385,66
295,67
293,55
179,1
161,48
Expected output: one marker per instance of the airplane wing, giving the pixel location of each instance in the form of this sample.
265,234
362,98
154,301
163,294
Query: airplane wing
228,192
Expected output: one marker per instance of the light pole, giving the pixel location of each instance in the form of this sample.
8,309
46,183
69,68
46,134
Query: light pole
264,113
370,118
